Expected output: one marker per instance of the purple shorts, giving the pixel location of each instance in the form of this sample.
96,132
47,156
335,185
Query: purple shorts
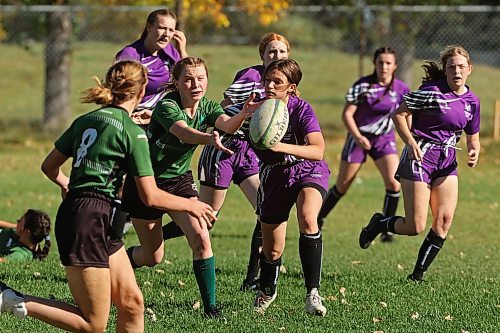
217,169
382,145
438,161
280,185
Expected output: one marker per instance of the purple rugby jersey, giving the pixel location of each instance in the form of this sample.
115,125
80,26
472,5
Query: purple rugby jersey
246,82
158,66
439,115
374,109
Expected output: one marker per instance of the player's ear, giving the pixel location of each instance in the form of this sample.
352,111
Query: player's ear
292,89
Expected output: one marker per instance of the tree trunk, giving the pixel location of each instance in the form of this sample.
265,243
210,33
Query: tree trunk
57,71
179,12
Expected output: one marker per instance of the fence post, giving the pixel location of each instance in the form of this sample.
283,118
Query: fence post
496,121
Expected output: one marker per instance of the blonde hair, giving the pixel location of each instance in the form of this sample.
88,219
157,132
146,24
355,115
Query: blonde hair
124,81
180,66
268,38
435,71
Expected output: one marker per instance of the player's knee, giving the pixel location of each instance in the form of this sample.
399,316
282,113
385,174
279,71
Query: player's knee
201,245
132,304
153,259
272,254
96,326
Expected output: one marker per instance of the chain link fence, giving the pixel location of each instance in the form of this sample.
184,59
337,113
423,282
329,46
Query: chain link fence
416,32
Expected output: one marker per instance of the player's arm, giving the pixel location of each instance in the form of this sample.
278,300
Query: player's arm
152,196
350,124
192,136
51,167
473,149
313,150
7,225
402,119
232,124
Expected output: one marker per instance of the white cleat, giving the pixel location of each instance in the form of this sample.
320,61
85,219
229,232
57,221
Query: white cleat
12,302
262,301
314,305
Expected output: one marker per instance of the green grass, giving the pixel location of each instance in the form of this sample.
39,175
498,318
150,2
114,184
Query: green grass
327,76
462,285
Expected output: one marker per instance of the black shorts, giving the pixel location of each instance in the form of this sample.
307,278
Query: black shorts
83,232
182,186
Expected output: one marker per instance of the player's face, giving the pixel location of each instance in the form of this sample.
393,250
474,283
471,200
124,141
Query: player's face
277,85
385,66
275,50
161,31
20,225
457,70
193,83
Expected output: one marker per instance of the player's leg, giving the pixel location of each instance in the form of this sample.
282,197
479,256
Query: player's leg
443,201
416,203
387,166
311,247
125,294
272,249
203,258
150,250
90,287
347,174
249,187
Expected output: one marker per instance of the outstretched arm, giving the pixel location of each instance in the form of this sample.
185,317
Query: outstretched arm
232,124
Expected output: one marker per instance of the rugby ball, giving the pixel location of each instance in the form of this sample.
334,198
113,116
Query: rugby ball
268,124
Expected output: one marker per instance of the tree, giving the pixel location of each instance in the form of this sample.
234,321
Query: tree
57,111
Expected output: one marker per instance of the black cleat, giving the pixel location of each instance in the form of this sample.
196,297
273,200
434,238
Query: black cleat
370,232
250,285
387,237
214,312
419,278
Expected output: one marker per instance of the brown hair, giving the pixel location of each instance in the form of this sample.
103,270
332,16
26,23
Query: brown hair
152,19
374,78
38,224
180,66
268,38
124,81
435,71
289,67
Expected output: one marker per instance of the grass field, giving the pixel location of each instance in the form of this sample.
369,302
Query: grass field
364,290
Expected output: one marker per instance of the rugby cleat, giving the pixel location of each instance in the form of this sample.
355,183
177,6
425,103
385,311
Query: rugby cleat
213,312
387,237
12,302
250,285
314,305
262,301
370,232
419,278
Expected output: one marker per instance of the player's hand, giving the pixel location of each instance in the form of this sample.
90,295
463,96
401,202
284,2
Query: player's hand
180,42
142,117
473,157
415,152
218,144
363,142
250,106
203,212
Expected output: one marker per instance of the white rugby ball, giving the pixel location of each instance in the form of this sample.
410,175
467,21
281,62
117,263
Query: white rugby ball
269,123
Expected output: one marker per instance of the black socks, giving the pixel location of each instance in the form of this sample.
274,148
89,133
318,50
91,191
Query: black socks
311,255
427,253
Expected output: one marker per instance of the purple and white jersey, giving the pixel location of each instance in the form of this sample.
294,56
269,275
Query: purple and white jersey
302,121
439,115
246,82
158,66
375,106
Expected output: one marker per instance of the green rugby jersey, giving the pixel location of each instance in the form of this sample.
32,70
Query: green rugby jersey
105,144
170,156
11,248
